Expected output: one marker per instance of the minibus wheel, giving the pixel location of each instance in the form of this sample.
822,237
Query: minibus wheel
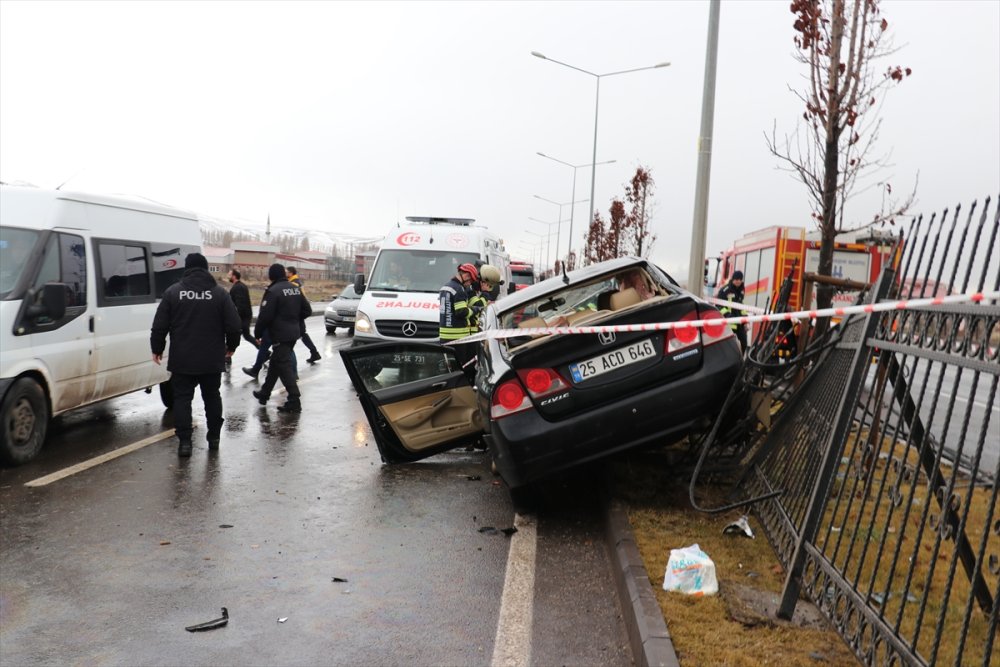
25,414
167,394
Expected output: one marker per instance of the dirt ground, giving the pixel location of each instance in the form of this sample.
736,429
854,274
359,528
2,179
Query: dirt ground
316,290
738,626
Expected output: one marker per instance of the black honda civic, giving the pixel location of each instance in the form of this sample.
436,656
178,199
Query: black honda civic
545,401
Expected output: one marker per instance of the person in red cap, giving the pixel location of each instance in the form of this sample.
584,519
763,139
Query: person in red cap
456,321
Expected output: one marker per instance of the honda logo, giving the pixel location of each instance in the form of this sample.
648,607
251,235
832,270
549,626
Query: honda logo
409,328
606,337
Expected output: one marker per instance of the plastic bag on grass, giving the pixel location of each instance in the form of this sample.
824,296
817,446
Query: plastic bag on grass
691,571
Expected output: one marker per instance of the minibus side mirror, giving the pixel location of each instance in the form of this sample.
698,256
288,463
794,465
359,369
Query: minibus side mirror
359,283
51,305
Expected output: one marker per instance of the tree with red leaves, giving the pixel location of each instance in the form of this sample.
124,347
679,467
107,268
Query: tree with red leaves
627,231
639,239
840,42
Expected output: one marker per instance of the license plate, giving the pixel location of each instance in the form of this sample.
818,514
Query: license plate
610,361
348,319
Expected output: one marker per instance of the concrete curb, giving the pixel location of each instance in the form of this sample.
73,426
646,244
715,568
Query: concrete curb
647,631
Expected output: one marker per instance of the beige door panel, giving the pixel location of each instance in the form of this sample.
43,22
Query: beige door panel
429,420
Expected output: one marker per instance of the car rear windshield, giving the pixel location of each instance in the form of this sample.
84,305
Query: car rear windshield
416,270
574,303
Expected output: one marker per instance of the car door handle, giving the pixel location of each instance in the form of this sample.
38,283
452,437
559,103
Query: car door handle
90,324
439,385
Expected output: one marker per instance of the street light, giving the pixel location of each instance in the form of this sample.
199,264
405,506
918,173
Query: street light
597,100
560,219
548,239
572,208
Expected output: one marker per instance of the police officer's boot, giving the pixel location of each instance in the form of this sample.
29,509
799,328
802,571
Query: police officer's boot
291,405
213,442
184,448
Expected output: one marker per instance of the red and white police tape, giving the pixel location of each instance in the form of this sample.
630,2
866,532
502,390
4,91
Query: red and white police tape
974,297
735,305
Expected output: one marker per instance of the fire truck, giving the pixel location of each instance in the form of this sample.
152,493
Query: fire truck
766,257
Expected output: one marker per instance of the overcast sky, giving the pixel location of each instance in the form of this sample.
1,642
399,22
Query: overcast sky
349,116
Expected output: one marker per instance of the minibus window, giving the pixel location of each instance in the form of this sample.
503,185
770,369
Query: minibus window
15,249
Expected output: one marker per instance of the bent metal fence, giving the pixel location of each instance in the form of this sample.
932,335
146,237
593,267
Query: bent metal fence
886,462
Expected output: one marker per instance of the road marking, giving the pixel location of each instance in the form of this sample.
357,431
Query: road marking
98,460
512,646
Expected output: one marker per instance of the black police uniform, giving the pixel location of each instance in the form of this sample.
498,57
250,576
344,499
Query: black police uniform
240,295
731,292
281,313
202,322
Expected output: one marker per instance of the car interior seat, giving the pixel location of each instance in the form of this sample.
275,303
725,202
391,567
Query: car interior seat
624,298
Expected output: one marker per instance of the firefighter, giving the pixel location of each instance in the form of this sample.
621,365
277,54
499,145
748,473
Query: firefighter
456,320
482,293
733,291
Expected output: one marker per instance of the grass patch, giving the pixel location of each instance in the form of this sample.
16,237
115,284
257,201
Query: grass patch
715,630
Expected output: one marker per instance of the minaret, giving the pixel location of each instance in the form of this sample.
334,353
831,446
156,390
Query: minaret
267,234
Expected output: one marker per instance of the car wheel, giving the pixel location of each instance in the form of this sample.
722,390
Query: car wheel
25,414
350,331
167,394
525,498
331,330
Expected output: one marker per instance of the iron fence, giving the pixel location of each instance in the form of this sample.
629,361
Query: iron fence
884,462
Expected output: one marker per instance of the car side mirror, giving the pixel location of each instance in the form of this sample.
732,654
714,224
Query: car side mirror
511,288
51,305
359,283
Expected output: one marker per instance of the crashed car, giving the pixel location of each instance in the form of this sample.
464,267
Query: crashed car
544,403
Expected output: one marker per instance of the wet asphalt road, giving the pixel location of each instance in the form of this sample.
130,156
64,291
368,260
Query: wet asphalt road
108,565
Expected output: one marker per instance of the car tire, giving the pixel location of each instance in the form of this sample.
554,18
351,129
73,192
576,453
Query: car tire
25,414
331,330
167,394
350,331
525,498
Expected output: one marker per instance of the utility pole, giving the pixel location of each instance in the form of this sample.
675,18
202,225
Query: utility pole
699,226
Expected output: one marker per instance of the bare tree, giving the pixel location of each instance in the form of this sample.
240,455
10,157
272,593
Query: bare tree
840,42
639,239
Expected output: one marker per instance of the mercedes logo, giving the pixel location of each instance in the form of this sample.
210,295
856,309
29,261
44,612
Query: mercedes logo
606,338
409,328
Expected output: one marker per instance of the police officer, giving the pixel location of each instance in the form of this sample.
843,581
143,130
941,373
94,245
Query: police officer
282,311
733,291
204,331
314,355
456,319
241,299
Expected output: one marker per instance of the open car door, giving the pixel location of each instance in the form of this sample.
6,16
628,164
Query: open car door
416,397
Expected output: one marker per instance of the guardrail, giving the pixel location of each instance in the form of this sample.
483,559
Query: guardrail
883,465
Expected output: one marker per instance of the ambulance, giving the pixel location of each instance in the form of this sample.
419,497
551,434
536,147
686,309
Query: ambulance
399,299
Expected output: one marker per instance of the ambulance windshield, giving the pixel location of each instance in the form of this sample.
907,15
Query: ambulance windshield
416,270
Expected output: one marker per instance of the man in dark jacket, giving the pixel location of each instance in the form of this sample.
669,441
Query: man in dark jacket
241,299
733,291
281,313
204,331
314,355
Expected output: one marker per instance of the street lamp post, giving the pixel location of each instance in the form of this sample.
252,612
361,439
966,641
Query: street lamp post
572,208
542,238
548,240
597,101
560,219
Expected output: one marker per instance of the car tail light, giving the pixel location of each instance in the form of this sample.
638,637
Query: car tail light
542,381
682,337
718,330
509,398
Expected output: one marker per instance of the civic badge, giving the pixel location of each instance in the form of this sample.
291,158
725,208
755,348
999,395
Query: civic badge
606,337
409,328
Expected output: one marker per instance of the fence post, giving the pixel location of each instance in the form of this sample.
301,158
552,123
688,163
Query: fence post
831,456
